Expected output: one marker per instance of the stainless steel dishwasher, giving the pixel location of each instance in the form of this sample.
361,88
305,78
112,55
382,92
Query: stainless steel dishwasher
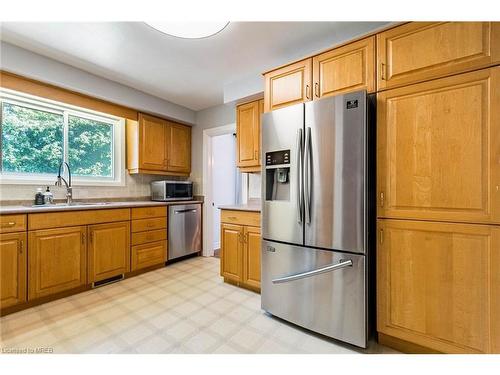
184,230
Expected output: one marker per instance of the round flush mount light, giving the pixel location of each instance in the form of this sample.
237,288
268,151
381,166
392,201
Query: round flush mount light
189,30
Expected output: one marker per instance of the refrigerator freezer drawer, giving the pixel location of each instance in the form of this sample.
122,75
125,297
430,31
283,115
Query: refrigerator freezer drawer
320,290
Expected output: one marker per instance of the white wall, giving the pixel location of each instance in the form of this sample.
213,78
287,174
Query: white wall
17,60
208,118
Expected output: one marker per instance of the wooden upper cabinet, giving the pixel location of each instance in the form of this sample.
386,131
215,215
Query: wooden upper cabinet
420,51
152,140
288,85
109,250
251,257
345,69
57,260
438,149
438,285
178,146
248,134
13,268
158,146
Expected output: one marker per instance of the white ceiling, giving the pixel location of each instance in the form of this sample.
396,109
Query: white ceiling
191,73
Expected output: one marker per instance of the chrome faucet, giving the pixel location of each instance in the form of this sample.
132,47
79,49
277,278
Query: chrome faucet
69,188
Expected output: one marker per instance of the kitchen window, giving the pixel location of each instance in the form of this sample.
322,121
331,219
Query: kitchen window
38,134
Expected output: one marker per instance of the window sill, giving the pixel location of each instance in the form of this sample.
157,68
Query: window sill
51,181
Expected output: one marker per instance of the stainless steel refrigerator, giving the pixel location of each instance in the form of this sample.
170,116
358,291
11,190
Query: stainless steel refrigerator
317,215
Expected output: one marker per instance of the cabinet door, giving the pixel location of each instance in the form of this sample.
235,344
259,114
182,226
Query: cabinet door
178,148
13,266
149,254
152,145
251,257
345,69
288,85
231,251
439,149
57,260
248,134
420,51
438,285
109,250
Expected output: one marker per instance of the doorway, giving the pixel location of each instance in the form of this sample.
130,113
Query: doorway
221,181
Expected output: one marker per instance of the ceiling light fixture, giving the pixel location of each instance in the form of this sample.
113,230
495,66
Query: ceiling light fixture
189,30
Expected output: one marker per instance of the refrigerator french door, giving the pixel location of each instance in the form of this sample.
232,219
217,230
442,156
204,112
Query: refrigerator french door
315,216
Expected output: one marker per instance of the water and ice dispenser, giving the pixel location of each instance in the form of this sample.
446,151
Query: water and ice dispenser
278,175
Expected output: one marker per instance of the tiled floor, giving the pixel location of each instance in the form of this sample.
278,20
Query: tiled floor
182,308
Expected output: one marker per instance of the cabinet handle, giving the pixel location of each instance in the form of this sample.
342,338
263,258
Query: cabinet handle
382,199
83,238
9,224
307,92
21,245
382,71
381,237
256,157
231,217
246,238
316,89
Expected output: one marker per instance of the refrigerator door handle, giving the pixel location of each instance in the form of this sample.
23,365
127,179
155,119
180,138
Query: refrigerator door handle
299,175
307,175
318,271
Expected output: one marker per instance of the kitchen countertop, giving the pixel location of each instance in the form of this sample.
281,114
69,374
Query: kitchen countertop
28,209
242,207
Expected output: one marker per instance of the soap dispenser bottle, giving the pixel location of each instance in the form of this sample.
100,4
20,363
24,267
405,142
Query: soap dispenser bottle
48,197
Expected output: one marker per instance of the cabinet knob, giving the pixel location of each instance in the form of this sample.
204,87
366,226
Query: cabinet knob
9,224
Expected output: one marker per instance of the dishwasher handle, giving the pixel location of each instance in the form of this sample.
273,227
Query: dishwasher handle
185,211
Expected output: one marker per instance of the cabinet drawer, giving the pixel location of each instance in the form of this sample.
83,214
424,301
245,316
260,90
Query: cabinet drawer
12,223
149,236
75,218
148,212
149,224
240,217
149,254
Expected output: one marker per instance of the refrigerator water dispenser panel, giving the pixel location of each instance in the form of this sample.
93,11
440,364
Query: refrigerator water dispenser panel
277,175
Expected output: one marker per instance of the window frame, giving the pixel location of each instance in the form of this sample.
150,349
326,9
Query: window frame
66,110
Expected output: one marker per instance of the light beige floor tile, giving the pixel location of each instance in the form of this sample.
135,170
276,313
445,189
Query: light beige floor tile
153,344
163,320
224,327
134,334
226,349
180,330
248,339
201,342
203,317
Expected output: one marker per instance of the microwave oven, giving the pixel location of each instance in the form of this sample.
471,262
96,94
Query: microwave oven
171,190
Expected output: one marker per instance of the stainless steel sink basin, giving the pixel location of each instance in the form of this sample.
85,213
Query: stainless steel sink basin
73,204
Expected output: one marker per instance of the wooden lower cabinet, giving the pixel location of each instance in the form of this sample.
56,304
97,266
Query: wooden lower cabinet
438,285
148,255
231,251
109,250
57,260
240,249
251,257
13,267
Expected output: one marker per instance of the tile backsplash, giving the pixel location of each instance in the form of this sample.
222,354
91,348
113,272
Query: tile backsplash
135,186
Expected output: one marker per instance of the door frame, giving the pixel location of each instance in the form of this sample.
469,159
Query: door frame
208,238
